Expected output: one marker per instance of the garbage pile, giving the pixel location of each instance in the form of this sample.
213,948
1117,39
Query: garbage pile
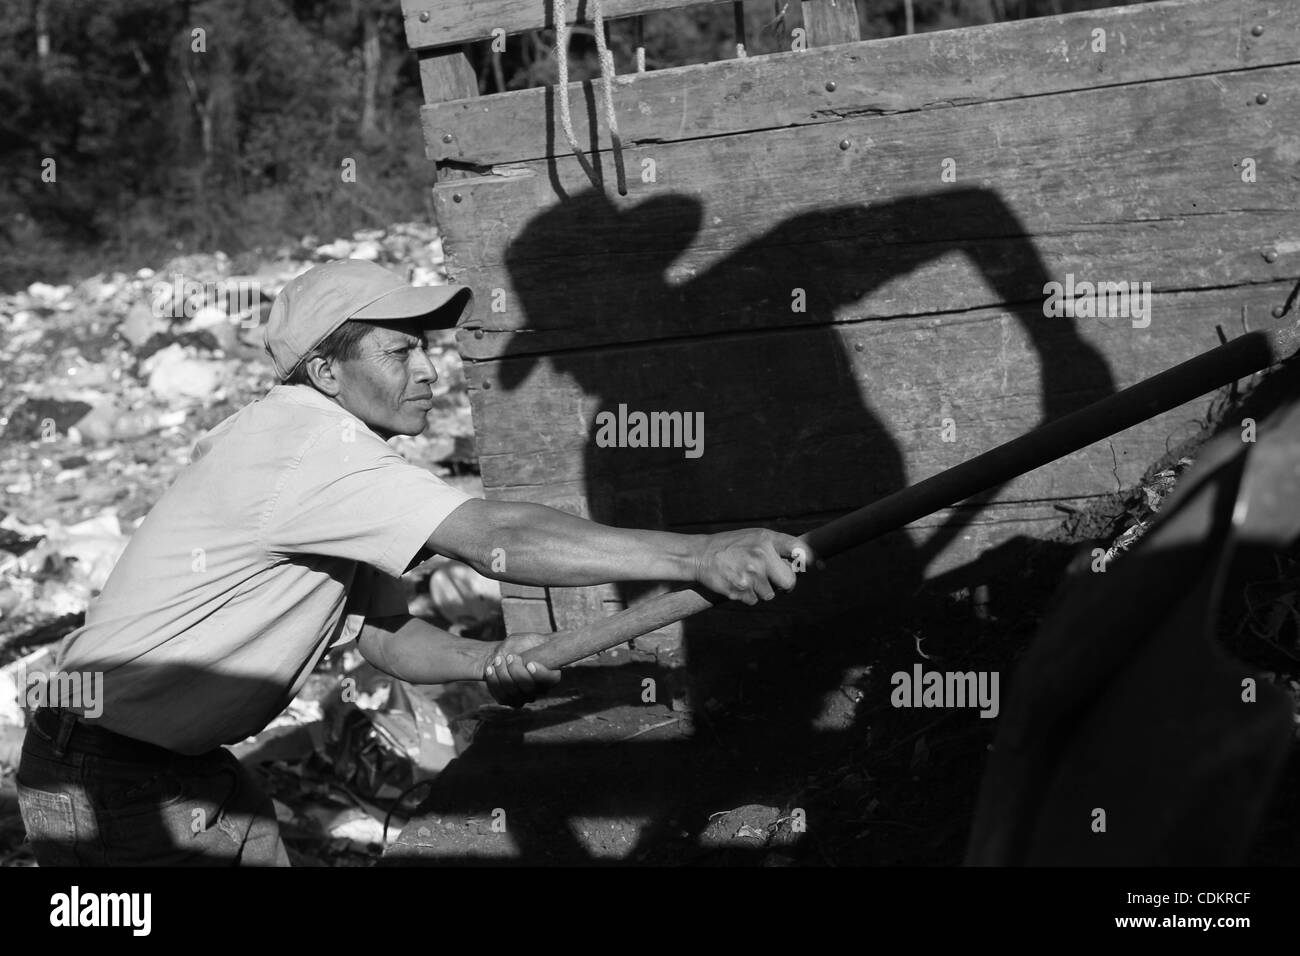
106,385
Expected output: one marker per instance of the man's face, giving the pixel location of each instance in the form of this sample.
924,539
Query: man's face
389,384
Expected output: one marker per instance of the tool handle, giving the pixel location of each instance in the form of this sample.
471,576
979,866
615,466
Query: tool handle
568,647
1237,359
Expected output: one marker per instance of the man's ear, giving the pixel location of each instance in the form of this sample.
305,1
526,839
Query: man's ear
321,372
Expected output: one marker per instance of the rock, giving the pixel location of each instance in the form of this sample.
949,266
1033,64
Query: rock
207,317
48,295
97,425
82,373
61,598
212,324
46,419
13,683
370,250
338,249
175,376
425,276
99,289
203,340
94,545
745,827
112,422
198,267
141,324
11,745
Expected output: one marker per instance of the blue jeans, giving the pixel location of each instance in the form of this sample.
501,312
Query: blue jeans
89,797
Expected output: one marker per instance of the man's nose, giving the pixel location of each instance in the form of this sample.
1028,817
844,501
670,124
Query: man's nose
425,370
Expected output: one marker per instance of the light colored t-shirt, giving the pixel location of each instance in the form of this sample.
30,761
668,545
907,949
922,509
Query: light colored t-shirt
291,525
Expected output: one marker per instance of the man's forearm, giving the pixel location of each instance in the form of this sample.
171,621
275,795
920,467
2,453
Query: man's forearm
541,545
413,650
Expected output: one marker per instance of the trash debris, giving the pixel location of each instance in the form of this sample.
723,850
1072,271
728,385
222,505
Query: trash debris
176,374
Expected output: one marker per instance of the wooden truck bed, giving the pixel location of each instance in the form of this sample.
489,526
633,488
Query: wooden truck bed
839,256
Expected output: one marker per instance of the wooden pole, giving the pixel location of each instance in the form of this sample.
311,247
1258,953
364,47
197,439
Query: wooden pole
1167,390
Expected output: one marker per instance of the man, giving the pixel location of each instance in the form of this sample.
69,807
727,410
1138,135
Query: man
283,538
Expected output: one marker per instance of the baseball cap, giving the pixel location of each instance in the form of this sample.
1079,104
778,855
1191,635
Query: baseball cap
317,302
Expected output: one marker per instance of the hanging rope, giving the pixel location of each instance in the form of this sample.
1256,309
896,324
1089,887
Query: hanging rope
607,82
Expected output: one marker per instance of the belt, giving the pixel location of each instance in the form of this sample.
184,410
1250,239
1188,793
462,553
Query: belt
68,731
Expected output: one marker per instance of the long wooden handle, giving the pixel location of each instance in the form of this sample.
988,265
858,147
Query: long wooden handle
1167,390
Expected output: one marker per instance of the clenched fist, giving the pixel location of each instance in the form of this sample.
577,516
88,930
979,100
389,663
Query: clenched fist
748,565
510,680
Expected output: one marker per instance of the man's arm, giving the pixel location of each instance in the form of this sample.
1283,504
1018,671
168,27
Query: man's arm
533,544
413,650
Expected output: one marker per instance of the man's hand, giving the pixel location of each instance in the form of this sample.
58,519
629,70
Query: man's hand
747,565
509,679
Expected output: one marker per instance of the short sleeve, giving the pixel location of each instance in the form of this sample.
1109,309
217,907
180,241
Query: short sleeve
373,595
352,496
376,594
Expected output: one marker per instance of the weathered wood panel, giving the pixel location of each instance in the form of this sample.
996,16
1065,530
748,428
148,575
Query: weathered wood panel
796,430
921,294
1138,183
446,74
830,21
861,409
430,24
526,615
900,74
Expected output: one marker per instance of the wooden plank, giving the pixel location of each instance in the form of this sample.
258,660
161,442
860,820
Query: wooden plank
447,75
872,232
830,21
804,422
950,68
444,75
526,616
434,24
